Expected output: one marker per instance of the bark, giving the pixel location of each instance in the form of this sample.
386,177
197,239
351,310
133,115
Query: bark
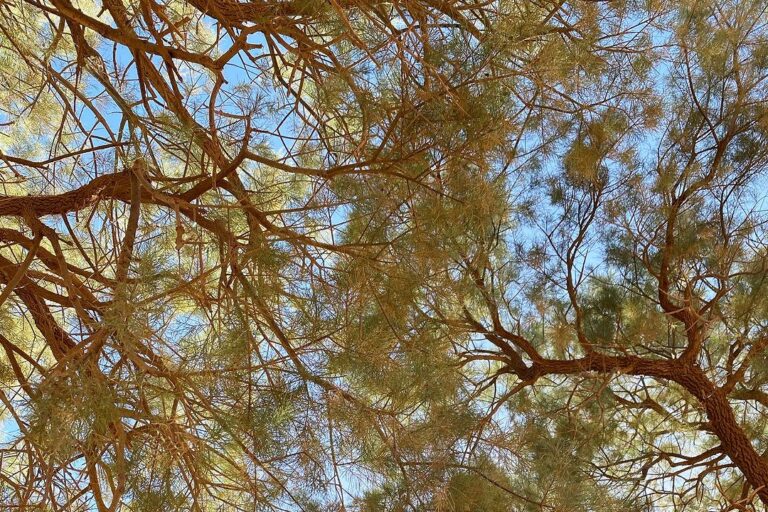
722,419
111,185
735,442
57,338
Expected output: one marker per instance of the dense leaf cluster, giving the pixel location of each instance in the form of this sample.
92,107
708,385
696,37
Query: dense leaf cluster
404,255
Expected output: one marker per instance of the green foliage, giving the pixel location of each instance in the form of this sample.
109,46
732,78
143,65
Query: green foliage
401,256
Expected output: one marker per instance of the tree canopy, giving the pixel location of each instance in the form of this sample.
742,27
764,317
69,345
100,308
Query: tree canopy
404,255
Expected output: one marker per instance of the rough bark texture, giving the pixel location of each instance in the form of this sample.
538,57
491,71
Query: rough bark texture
111,185
723,422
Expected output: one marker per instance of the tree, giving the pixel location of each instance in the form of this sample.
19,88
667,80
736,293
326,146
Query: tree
402,255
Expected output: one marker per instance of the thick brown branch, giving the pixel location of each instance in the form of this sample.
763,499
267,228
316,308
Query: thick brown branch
110,185
723,422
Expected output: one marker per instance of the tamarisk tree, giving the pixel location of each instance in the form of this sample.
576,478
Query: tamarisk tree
421,255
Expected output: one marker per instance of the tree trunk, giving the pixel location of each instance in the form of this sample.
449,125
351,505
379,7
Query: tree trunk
735,442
